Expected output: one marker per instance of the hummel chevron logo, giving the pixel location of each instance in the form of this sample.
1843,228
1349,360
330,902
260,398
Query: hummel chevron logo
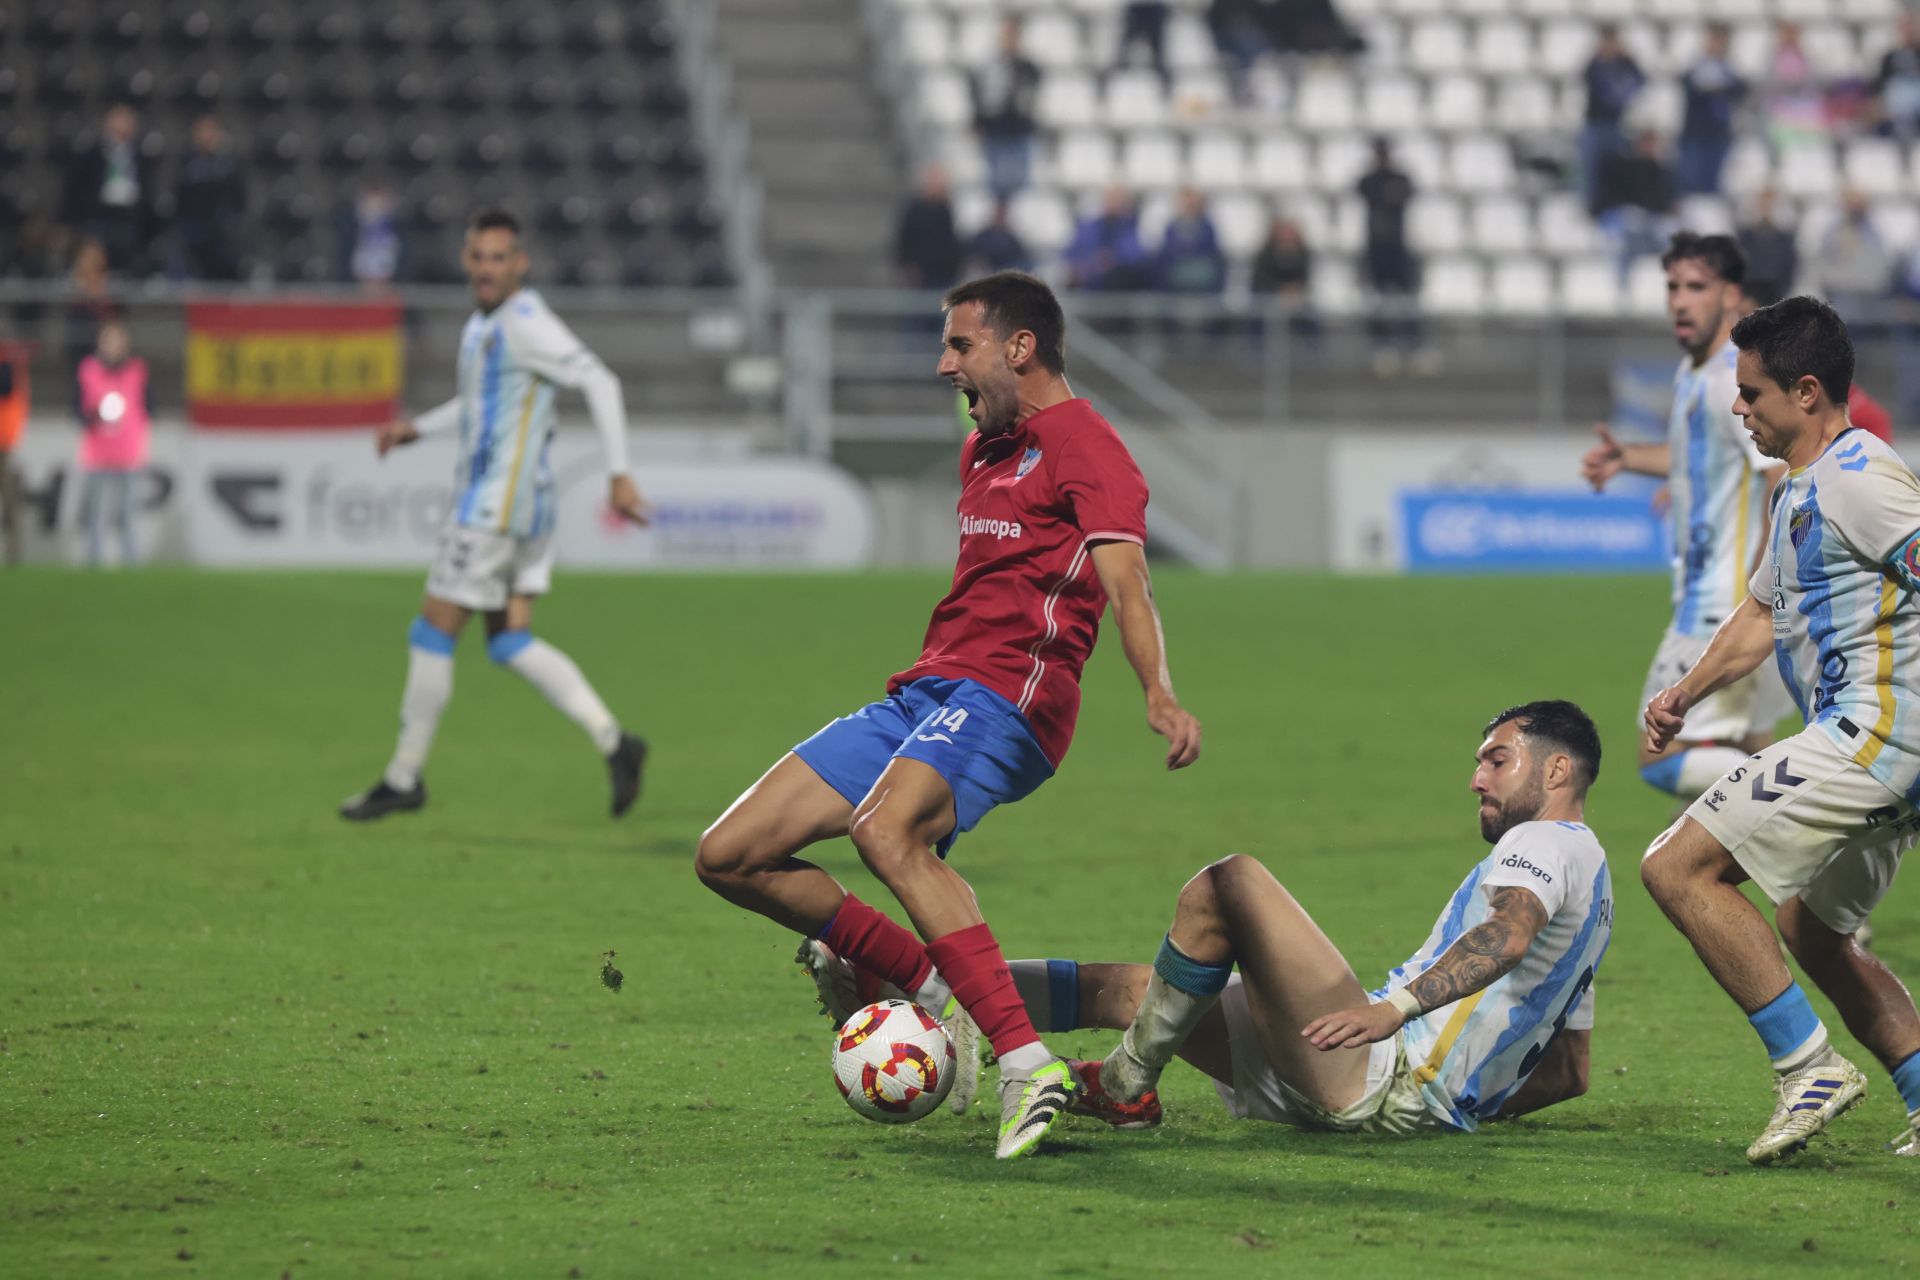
1781,778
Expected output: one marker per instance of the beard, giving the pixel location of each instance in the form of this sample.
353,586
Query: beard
1523,805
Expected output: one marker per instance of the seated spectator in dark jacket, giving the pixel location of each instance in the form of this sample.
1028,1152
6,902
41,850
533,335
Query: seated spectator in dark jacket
1283,272
926,248
1633,200
1105,252
996,247
1190,259
1773,255
210,204
1897,86
108,192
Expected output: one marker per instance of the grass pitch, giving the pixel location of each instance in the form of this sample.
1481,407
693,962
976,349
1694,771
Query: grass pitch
239,1037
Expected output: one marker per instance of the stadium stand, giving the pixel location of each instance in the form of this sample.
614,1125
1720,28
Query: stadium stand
572,113
1481,99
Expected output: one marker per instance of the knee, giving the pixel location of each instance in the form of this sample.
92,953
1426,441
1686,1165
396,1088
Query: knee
504,646
720,860
1663,869
1221,881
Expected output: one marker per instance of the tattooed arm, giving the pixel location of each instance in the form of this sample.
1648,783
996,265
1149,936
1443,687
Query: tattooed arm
1479,958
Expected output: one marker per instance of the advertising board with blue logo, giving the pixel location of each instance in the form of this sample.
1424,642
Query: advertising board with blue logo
1478,531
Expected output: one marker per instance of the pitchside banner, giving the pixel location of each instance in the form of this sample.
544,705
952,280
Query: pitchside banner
292,364
320,499
1465,532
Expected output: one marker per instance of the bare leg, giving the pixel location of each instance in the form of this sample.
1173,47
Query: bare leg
1694,879
747,857
1875,1004
909,810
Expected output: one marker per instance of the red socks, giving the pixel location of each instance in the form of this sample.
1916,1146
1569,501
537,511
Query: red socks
870,941
972,965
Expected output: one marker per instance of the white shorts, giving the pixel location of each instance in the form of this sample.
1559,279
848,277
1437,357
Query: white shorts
1802,819
1755,703
1392,1103
478,569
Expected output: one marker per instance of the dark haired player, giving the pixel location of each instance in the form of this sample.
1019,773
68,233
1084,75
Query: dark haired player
496,554
1491,1017
1719,485
1052,519
1817,821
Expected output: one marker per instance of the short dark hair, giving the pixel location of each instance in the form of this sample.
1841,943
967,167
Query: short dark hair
1800,337
1721,255
1562,725
494,218
1013,300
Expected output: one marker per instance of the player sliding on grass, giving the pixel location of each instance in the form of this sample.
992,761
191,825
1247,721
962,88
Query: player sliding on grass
1490,1018
1052,520
496,554
1818,821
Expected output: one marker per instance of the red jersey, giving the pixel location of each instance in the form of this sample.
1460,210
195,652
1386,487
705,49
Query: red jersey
1865,412
1025,606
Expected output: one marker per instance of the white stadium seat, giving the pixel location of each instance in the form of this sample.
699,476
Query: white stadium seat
1481,163
1590,287
1501,224
1346,224
1150,161
1085,158
1565,228
1336,285
1391,103
1324,102
1502,47
1521,286
1659,106
1878,166
927,39
1282,162
1458,102
1042,219
1199,95
1134,100
1052,39
1067,99
1436,224
976,37
945,98
1707,215
1436,45
972,209
1752,50
1423,158
1189,43
1647,287
1565,46
1386,44
1339,161
1525,104
1454,285
1241,220
1807,171
1217,161
1749,167
1898,222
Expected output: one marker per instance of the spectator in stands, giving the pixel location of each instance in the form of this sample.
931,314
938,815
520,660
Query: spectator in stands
1852,267
114,432
1613,81
1190,258
1392,271
1796,108
369,246
210,204
1144,23
1240,34
1283,271
90,304
996,247
1004,92
1105,252
108,191
1308,27
926,248
1714,91
1773,255
1634,198
1897,86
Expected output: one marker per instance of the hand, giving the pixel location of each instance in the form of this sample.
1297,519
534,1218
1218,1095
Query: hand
1604,461
1352,1027
624,497
1665,714
396,433
1177,725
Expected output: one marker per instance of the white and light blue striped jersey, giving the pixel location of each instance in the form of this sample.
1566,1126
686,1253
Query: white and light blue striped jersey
512,360
1470,1056
1841,575
1717,478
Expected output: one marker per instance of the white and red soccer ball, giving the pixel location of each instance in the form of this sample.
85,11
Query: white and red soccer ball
893,1062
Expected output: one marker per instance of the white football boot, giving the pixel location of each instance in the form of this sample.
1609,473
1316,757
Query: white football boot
1908,1143
1809,1099
1030,1104
966,1053
835,982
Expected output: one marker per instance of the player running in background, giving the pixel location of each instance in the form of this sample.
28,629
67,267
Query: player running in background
1492,1016
496,554
1818,821
1719,486
1052,517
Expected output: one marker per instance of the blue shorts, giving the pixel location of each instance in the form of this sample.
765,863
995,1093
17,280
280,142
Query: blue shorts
974,738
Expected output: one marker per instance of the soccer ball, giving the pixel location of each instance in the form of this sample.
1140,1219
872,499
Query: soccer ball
892,1062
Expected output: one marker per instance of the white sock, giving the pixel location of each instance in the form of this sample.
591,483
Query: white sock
1809,1049
1025,1060
554,674
429,687
934,994
1701,767
1166,1017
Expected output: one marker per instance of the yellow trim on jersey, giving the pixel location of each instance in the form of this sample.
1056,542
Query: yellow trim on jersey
519,452
1428,1070
1882,672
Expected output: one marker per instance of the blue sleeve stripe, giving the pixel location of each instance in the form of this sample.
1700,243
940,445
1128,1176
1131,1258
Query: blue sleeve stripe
424,635
506,646
1063,995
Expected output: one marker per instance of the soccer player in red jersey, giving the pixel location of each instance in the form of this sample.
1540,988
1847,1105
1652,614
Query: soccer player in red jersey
1868,414
1052,520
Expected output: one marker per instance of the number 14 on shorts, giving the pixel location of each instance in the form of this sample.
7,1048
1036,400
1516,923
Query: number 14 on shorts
948,719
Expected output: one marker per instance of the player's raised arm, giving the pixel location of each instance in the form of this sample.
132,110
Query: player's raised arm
1481,957
1743,642
438,420
1609,458
1122,568
545,345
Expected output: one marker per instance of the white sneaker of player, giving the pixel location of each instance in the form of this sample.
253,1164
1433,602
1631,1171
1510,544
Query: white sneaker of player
1030,1104
966,1053
1908,1143
834,980
1809,1099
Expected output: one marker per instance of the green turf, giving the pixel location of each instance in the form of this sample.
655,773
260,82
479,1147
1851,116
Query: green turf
242,1038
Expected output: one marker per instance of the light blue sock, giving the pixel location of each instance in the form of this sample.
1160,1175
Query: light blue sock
1180,970
1906,1078
1789,1028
